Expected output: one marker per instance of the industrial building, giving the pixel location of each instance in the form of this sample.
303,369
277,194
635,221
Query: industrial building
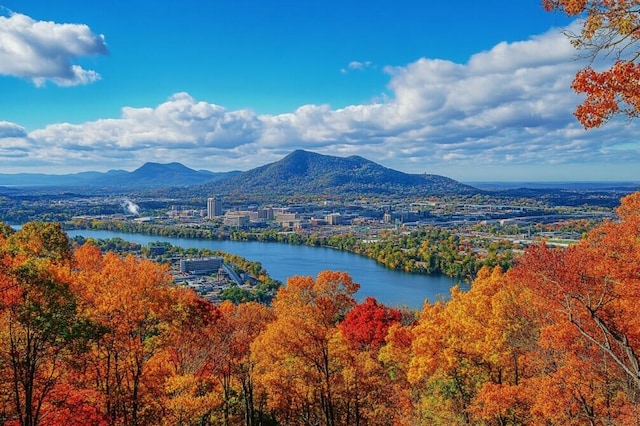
201,266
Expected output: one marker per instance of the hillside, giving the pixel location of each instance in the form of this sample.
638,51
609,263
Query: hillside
42,179
308,173
301,173
551,341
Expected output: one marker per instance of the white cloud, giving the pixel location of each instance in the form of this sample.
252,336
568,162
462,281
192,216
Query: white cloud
356,65
44,51
511,104
15,146
179,125
11,130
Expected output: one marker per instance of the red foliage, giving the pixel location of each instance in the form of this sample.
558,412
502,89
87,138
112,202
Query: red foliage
608,93
366,325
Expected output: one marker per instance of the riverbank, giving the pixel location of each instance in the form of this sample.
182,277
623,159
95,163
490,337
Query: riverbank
282,261
428,250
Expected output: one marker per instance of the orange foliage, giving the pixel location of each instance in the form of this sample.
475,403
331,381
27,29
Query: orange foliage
616,90
555,340
591,291
295,365
611,28
41,330
135,304
471,353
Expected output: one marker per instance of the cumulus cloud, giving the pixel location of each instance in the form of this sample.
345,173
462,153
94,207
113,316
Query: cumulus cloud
181,124
11,130
510,106
15,145
43,51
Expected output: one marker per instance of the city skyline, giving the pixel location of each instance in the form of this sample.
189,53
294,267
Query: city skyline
460,90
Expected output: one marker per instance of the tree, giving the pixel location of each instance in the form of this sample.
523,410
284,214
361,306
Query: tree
210,364
295,364
367,394
41,327
5,232
365,326
592,291
238,328
134,301
611,29
396,356
470,354
184,386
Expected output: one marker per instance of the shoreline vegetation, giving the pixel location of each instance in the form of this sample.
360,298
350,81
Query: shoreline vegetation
262,286
428,250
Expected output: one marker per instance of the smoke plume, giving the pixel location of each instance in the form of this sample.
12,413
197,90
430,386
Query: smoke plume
131,207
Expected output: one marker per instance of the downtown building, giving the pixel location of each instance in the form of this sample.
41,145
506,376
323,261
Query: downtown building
214,207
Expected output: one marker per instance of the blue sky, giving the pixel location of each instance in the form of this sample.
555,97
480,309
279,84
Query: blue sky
469,90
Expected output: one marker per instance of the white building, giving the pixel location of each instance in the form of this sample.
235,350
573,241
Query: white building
214,207
236,219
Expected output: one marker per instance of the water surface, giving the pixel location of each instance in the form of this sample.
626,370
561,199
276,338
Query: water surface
394,288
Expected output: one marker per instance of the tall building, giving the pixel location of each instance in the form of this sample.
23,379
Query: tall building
214,207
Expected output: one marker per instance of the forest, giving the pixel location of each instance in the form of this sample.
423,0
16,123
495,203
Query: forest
94,338
88,337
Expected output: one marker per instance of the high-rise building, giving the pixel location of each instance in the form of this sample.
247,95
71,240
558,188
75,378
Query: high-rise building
214,207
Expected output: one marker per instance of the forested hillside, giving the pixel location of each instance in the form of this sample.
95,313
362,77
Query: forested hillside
304,174
93,338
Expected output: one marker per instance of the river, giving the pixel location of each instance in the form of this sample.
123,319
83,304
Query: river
393,288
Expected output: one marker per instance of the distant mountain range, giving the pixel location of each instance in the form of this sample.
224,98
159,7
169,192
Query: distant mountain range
299,173
149,175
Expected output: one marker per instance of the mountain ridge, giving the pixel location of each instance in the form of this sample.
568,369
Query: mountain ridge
312,174
150,174
300,173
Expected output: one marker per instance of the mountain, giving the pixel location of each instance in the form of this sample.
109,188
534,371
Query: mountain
305,173
148,175
41,179
301,173
156,174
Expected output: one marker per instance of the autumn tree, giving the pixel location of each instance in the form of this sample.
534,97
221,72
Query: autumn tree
592,290
366,325
182,385
244,322
134,301
208,364
295,364
610,31
41,328
469,354
364,392
367,392
396,356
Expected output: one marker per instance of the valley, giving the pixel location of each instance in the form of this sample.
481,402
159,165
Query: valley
415,223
